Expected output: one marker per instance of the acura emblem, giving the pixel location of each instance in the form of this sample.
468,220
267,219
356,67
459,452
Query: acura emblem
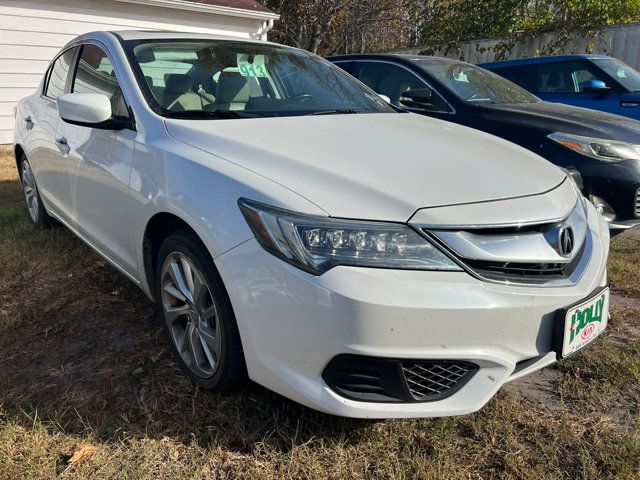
565,240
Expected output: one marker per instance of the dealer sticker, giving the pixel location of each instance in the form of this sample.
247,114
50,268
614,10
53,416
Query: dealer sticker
252,65
585,322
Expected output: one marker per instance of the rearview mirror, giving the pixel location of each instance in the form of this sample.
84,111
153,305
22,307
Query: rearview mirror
594,86
420,98
89,110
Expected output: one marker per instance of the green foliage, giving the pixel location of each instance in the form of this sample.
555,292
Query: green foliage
356,26
459,20
455,21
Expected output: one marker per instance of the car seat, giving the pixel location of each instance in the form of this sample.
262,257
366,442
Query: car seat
179,96
233,91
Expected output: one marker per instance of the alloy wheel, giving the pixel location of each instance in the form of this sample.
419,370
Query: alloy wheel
30,191
191,315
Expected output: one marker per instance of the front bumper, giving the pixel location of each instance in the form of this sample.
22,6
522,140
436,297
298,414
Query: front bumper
619,185
293,324
618,227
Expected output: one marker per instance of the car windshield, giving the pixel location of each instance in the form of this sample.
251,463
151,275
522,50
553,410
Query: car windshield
622,73
220,79
474,84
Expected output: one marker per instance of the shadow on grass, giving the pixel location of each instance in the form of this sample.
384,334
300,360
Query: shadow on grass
82,352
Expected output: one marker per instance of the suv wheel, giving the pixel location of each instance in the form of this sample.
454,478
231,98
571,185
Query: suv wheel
197,316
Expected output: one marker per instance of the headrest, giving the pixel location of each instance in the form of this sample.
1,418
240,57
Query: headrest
149,80
177,82
232,88
145,54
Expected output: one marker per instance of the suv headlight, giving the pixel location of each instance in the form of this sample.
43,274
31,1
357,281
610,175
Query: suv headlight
316,244
598,148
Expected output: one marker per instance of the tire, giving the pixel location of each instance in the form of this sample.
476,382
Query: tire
35,207
196,314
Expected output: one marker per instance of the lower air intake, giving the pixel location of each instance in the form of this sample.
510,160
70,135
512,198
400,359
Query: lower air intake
372,379
428,380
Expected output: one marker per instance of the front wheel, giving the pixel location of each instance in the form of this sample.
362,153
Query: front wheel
37,212
197,316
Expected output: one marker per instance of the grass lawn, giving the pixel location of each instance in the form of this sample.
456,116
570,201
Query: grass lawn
88,390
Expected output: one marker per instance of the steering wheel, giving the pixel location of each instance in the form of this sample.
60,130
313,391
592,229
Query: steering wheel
302,98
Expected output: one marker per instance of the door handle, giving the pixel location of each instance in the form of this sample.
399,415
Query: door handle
63,145
28,123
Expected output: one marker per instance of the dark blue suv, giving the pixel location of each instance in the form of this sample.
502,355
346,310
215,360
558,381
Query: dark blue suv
591,81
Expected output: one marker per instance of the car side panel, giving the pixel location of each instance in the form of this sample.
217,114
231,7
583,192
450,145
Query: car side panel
605,102
100,165
49,167
202,190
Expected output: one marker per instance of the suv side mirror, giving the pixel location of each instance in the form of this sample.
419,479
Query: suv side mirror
420,98
594,86
89,110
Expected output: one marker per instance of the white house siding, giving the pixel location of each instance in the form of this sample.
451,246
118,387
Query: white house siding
33,31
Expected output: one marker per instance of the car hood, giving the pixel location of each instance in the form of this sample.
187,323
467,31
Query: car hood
556,117
374,166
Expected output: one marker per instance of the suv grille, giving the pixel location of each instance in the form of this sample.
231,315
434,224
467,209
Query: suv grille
427,379
637,205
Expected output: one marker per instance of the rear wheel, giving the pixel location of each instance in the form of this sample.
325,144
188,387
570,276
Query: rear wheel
37,212
197,316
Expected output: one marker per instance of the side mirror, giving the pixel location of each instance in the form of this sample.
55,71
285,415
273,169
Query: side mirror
594,86
89,110
420,98
385,98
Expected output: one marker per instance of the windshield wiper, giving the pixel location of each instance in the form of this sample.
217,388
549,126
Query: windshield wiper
336,111
206,114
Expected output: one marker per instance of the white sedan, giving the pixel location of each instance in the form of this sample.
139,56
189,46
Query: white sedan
297,230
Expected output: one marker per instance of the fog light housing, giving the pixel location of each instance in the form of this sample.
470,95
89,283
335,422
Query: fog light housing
603,208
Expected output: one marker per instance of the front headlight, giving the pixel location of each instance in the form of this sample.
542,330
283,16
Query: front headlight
316,244
598,148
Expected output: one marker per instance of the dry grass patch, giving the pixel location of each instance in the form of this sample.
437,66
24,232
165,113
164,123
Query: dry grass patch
82,362
624,265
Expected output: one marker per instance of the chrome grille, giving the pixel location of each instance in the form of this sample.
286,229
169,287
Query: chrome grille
637,205
524,254
526,272
428,379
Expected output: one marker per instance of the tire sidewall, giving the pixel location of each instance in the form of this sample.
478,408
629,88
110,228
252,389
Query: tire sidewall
41,220
193,249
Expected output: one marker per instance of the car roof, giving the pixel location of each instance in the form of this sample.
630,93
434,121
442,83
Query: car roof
399,57
168,35
545,59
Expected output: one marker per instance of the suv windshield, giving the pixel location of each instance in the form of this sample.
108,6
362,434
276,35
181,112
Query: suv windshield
622,73
474,84
209,79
